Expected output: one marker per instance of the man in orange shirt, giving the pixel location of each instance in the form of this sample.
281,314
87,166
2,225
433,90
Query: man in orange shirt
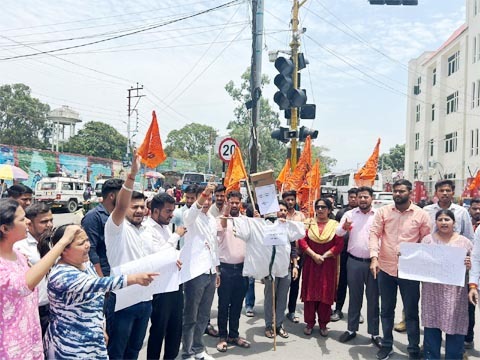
394,224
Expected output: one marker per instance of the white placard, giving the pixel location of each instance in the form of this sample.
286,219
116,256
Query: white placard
163,262
439,264
275,234
195,260
267,199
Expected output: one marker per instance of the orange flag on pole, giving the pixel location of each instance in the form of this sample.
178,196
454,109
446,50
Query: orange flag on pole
309,192
367,174
151,149
297,178
235,172
475,183
283,176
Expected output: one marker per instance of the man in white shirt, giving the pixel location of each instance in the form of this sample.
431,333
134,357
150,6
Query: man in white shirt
125,242
217,208
200,242
167,308
40,222
190,198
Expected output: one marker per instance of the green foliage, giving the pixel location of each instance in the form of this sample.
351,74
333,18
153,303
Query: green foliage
23,119
98,139
193,141
272,153
326,162
395,159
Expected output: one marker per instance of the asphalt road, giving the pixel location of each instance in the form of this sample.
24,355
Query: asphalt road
298,345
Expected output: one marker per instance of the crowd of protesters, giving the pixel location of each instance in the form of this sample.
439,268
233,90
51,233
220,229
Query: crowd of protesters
58,295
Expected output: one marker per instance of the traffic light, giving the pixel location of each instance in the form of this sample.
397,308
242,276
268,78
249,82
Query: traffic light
283,134
304,132
287,96
307,112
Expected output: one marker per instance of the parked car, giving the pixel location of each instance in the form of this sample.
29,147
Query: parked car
61,191
382,198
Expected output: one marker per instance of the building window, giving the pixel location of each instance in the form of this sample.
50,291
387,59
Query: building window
453,63
475,7
478,92
474,49
415,170
417,113
417,141
451,142
430,147
474,94
434,76
474,142
452,102
433,112
417,88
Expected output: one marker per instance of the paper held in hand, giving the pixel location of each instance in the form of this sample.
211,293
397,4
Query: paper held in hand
439,264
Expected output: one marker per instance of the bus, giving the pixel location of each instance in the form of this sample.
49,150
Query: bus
345,181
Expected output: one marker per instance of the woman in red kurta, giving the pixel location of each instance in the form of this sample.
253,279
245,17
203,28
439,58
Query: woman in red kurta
321,266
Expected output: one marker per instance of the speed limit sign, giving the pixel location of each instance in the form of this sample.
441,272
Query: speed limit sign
226,148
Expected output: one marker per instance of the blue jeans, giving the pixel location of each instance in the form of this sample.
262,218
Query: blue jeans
432,341
127,329
410,292
250,296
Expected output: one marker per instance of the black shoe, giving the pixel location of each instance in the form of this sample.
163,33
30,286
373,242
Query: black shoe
337,315
377,341
384,353
347,336
414,355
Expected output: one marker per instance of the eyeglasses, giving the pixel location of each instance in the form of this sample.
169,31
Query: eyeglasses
321,207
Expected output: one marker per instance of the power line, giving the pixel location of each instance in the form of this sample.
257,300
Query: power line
231,3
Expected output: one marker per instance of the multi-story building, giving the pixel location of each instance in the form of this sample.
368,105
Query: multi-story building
443,108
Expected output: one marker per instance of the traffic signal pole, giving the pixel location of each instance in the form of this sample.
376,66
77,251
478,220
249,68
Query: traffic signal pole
294,45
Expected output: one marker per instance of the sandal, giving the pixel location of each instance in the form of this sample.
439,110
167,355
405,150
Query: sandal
293,318
239,341
282,332
210,330
222,345
269,332
307,330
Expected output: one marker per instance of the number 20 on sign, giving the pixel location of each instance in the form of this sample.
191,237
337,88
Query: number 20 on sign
226,149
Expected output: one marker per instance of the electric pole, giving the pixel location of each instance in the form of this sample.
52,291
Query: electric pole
130,110
256,78
294,45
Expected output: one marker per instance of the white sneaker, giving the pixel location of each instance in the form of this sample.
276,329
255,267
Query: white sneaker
204,356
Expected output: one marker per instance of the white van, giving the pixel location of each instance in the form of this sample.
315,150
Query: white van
61,191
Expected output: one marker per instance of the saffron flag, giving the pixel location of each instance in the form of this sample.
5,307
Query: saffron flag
475,183
283,176
367,174
151,149
298,178
310,191
235,172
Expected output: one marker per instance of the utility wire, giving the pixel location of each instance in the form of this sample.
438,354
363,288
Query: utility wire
231,3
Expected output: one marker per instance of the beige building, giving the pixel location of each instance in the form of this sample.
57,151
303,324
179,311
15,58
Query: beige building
443,108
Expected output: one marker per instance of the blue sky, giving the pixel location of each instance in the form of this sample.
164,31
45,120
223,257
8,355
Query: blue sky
357,75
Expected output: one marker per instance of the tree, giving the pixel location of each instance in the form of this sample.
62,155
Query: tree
98,139
271,154
193,141
395,159
23,119
326,162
